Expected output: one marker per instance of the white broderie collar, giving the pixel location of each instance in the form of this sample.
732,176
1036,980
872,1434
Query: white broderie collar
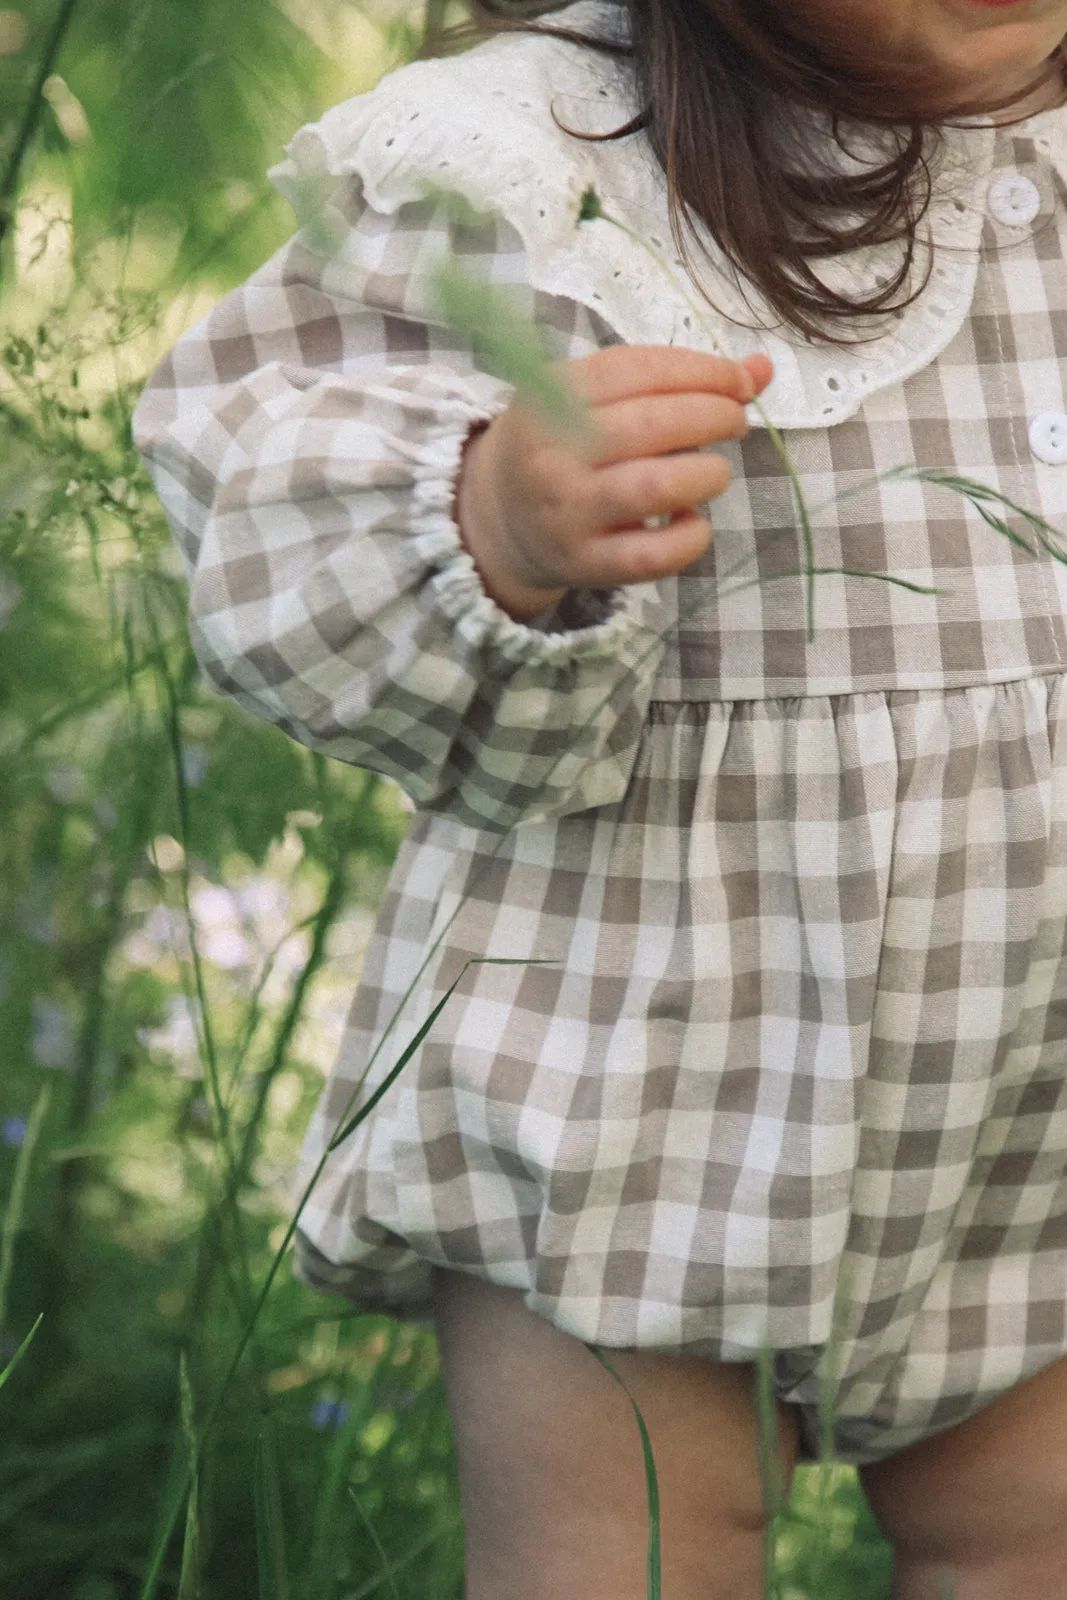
482,124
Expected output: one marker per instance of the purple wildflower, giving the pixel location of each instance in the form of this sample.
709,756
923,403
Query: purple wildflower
13,1131
327,1413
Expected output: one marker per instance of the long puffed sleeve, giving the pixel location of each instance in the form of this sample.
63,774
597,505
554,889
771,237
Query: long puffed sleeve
305,440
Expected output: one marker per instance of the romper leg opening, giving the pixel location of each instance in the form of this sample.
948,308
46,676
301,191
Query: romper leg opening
979,1512
551,1467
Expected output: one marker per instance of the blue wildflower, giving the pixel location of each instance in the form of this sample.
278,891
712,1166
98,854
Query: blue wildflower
327,1413
13,1131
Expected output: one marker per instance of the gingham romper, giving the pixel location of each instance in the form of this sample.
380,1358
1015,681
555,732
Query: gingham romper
789,1072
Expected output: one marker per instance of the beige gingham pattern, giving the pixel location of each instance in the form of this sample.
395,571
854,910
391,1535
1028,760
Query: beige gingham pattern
790,1070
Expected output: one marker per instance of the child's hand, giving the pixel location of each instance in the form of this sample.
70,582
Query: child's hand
540,517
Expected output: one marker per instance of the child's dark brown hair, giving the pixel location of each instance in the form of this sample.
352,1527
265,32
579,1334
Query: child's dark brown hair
727,91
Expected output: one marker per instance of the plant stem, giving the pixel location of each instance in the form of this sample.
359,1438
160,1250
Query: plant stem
332,903
171,719
31,117
433,22
17,1200
91,1034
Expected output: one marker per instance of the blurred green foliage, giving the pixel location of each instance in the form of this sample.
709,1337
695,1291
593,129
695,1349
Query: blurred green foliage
158,116
183,899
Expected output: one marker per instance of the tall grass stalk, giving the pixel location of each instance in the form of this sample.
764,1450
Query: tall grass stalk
16,1205
6,1372
223,1242
189,1576
349,1126
769,1457
171,718
270,1526
392,1569
388,1575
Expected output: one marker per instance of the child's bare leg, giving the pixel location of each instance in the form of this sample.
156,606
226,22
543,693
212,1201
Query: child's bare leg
551,1467
980,1512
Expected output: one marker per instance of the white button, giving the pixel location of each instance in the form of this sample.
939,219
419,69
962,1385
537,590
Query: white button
1014,200
1048,437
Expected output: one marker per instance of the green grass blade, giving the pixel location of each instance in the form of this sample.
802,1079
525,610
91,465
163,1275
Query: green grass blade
172,709
655,1555
1000,526
395,1071
16,1204
979,495
829,572
270,1531
177,1497
512,347
810,571
414,1553
189,1579
172,1511
877,577
328,1523
20,1352
413,1044
772,1476
388,1569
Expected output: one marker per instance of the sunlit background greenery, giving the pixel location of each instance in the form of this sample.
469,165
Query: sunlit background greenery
184,896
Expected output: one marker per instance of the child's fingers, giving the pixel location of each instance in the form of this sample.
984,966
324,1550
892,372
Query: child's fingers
660,424
641,555
626,495
622,372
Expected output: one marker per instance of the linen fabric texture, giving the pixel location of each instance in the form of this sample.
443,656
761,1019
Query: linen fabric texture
784,1068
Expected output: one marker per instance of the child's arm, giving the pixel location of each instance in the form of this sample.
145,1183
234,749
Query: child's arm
306,440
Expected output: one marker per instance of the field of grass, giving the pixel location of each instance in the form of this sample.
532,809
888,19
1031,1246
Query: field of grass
325,1474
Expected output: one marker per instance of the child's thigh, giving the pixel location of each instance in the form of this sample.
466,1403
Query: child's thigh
551,1466
980,1512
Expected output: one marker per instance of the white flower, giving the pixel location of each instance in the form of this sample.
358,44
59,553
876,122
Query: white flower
53,1035
37,909
194,764
66,783
106,814
264,905
163,933
213,906
216,912
226,948
179,1037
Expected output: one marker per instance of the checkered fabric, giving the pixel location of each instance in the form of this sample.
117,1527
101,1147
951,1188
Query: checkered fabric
789,1069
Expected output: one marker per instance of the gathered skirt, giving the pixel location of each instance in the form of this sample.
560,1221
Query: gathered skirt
781,1064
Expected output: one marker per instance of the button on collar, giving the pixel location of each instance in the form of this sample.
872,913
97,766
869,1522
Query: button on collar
1048,437
1014,200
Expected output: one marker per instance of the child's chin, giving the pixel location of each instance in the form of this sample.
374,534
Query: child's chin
1004,63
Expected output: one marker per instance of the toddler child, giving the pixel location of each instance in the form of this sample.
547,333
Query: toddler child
781,1065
